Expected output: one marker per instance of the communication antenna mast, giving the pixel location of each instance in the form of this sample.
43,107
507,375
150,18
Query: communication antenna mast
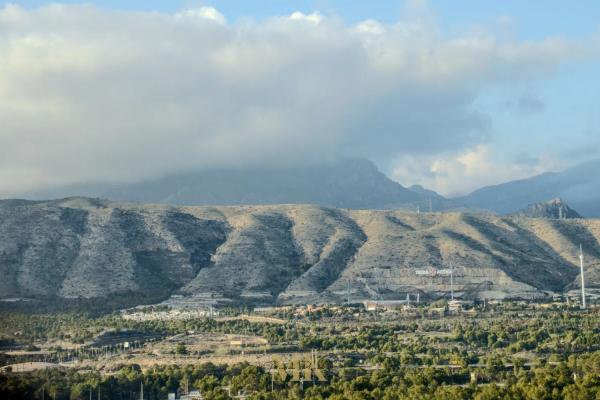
582,277
348,292
451,281
418,209
408,298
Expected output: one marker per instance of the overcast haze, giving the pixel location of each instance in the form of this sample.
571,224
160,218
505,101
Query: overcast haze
96,93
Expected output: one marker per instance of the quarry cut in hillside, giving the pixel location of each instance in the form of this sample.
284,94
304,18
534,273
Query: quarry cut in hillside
89,248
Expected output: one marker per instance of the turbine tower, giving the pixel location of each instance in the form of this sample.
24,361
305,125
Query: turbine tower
582,277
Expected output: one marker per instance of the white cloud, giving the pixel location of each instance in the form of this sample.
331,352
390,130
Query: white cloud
460,173
370,26
208,13
92,94
314,18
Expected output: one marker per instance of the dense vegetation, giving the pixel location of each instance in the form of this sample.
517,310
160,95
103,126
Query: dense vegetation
513,354
575,378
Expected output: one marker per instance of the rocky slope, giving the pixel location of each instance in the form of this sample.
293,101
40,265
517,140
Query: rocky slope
82,247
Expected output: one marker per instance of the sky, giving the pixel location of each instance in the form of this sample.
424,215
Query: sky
452,95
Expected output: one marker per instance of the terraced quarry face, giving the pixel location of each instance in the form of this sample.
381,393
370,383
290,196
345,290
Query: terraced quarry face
92,249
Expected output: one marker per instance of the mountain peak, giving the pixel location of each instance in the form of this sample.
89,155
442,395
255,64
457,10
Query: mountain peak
353,183
554,209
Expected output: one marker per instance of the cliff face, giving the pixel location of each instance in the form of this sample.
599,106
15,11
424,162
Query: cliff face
89,248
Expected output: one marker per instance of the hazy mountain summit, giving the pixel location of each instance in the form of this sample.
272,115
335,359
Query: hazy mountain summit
348,183
555,208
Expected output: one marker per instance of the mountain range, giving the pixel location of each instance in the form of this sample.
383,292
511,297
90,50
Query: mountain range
347,183
579,186
290,235
273,254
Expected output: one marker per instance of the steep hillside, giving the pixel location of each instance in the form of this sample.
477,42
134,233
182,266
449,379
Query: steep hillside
88,248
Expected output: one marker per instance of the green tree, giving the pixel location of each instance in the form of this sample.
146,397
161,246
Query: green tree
181,349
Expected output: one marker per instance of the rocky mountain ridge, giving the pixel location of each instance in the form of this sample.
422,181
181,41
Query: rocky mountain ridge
89,248
555,208
353,183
